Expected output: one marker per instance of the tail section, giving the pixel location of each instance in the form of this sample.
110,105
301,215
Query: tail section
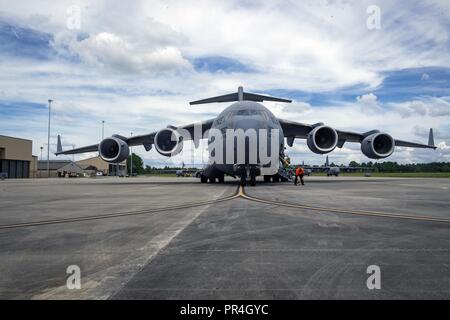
59,145
431,138
240,95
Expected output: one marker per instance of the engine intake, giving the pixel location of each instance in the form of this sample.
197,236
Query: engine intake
378,146
113,150
168,142
322,139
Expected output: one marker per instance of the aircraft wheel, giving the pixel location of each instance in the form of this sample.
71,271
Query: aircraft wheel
253,180
276,178
221,179
212,180
266,178
203,179
243,180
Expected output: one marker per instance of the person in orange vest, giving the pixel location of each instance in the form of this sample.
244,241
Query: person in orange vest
299,173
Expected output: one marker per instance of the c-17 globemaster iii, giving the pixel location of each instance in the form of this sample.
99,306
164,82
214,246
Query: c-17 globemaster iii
246,140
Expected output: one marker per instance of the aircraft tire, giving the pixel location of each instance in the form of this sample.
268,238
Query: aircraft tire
203,179
243,181
212,180
266,178
221,179
276,178
253,180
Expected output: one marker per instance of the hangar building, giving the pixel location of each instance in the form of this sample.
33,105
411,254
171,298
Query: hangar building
108,169
16,159
58,168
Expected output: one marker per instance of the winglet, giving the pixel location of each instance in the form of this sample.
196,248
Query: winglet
59,145
431,138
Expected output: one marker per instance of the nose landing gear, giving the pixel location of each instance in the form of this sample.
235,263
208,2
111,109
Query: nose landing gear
245,171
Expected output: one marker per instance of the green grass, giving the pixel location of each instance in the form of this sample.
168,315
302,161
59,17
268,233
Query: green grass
353,174
394,174
165,175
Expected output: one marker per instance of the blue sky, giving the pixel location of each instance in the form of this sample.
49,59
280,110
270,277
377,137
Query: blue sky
137,66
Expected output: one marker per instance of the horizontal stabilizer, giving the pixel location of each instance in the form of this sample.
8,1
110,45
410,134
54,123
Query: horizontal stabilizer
240,96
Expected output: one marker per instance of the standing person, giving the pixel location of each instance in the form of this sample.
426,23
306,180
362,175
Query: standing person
299,173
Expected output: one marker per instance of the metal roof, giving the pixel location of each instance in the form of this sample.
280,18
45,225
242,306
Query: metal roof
54,164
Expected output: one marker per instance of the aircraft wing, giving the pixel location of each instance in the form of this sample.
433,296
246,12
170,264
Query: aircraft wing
203,125
299,130
146,140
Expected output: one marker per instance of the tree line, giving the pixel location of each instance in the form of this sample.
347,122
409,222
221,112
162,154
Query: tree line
386,166
392,166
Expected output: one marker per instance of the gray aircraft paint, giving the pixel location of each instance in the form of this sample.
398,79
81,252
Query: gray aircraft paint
244,115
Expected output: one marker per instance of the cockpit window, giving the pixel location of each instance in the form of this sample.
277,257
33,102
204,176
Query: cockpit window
247,112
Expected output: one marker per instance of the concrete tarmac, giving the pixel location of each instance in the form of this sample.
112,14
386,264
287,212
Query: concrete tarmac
174,238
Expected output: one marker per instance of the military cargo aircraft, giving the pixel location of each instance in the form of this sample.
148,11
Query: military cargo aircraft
245,115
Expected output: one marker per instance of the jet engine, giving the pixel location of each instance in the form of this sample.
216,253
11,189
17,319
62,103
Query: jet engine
113,149
322,139
168,142
378,145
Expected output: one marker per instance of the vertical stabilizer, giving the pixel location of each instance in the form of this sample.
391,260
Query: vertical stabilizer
240,94
431,138
59,145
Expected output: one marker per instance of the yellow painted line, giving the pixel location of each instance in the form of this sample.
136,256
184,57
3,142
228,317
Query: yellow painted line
347,211
240,193
119,214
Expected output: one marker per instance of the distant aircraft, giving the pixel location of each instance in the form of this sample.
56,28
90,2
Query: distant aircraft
247,114
331,170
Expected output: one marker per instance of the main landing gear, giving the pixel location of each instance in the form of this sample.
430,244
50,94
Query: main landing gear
205,179
275,178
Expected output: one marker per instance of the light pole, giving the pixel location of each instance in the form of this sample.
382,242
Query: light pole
131,160
103,129
48,137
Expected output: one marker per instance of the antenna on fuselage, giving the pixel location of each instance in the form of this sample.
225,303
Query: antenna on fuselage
240,95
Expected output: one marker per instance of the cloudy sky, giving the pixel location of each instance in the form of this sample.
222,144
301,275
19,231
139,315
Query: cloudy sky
137,64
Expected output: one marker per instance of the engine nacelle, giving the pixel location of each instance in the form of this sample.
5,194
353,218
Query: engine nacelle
168,142
378,146
322,139
113,149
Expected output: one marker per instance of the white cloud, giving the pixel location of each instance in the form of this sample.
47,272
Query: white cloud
135,71
433,106
369,103
110,51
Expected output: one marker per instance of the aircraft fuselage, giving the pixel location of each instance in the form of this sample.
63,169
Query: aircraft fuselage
244,115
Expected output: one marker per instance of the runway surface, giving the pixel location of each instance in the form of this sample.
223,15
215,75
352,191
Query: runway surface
174,238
